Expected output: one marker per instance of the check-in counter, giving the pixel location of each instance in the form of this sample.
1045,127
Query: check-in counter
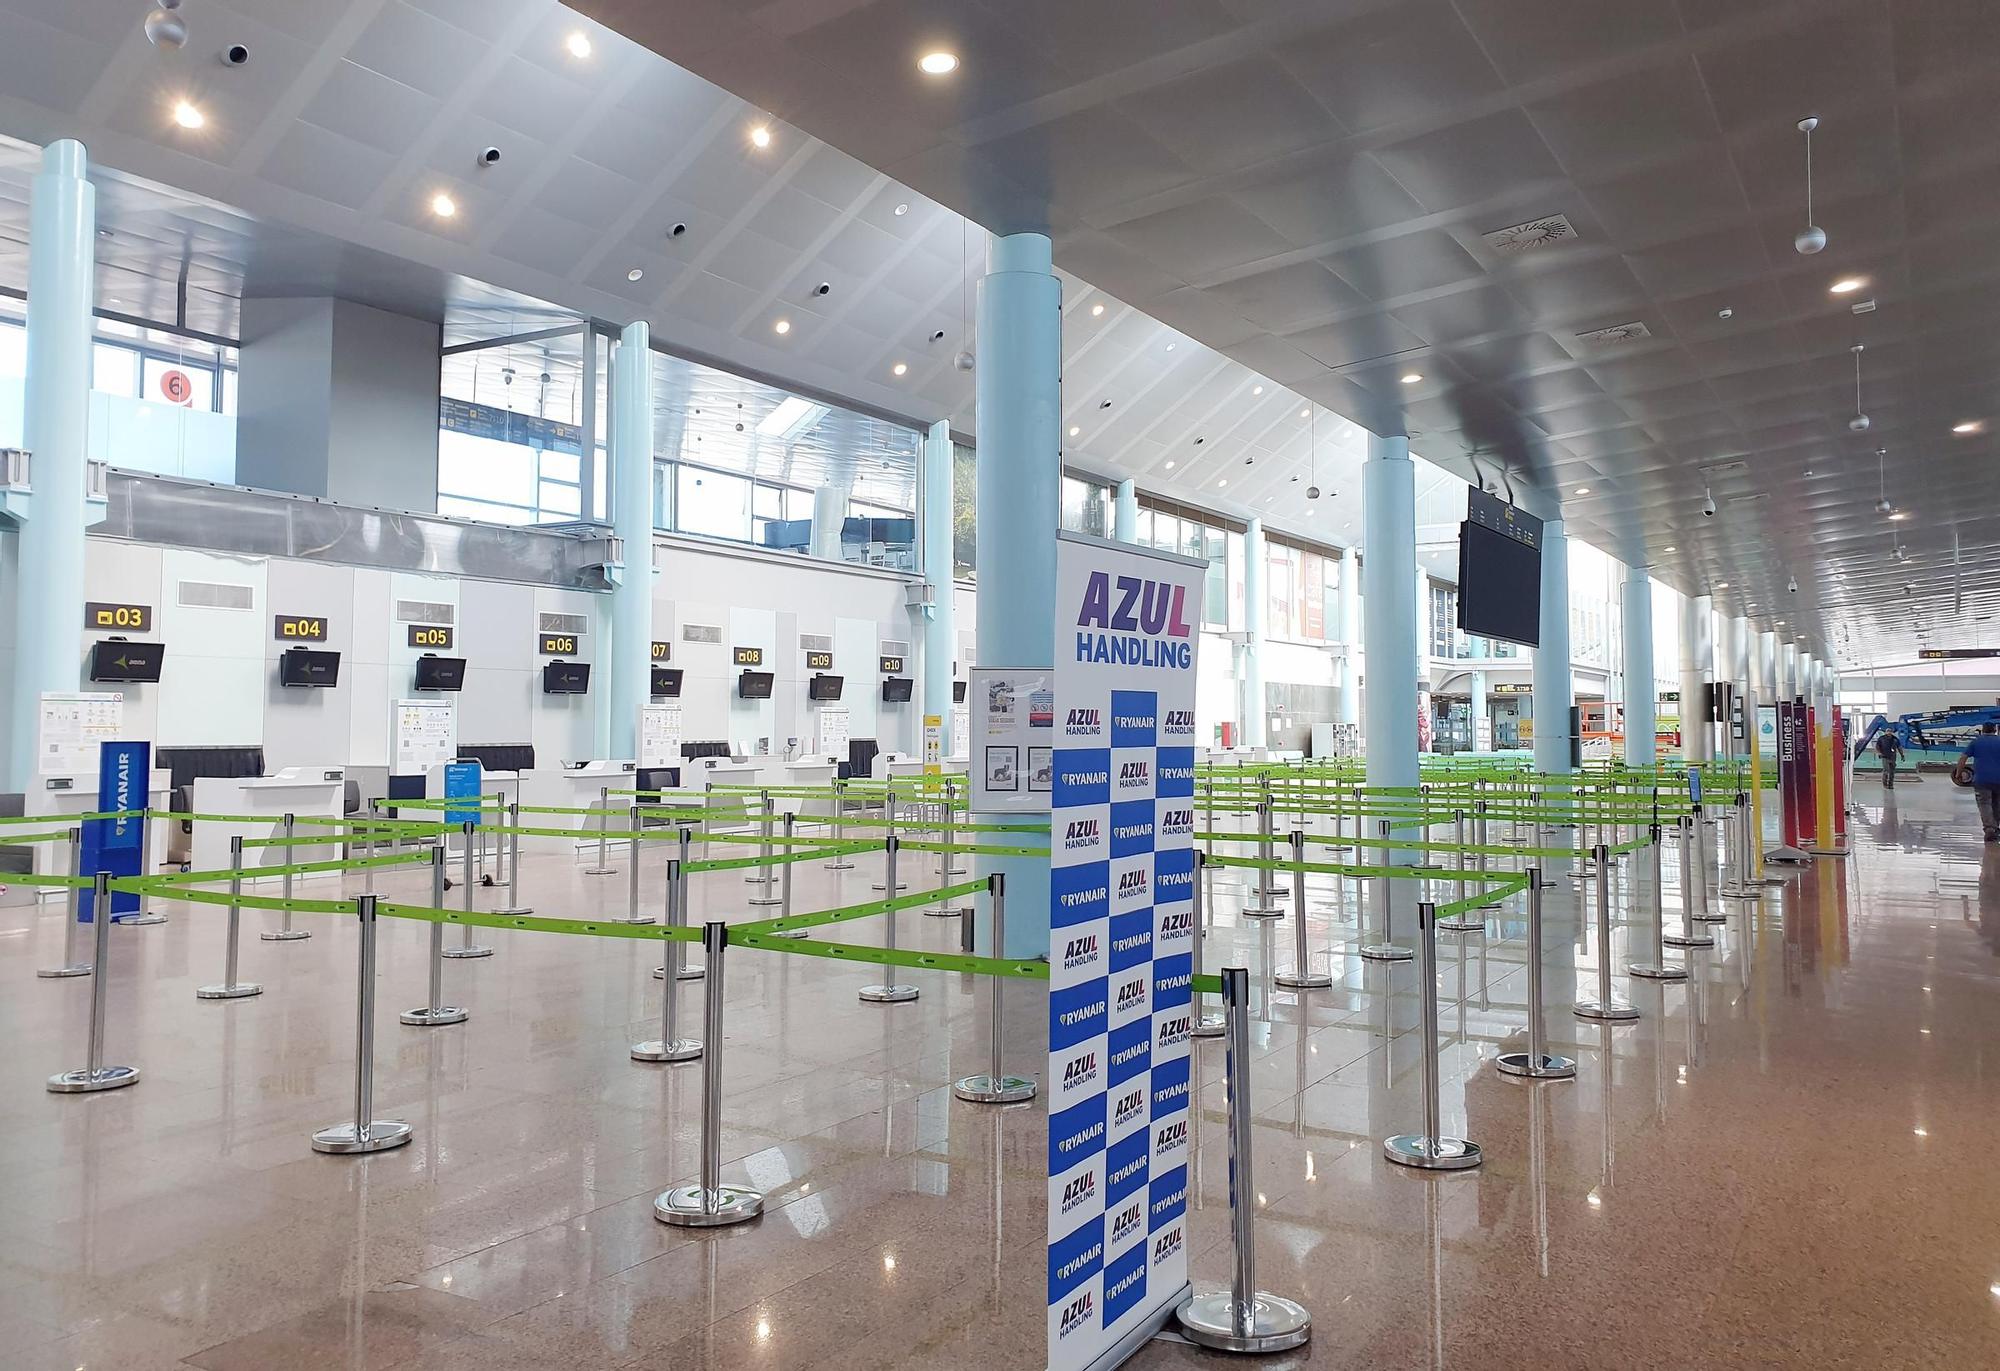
260,804
579,787
62,798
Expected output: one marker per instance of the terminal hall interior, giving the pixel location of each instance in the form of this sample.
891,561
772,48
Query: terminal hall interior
1157,683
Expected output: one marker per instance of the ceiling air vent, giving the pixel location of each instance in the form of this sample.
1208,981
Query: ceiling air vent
701,633
1536,233
1617,333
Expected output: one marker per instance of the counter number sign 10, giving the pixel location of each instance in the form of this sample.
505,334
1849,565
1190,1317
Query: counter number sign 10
892,666
430,635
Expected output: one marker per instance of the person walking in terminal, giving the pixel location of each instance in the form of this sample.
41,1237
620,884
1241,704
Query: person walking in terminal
1984,754
1890,750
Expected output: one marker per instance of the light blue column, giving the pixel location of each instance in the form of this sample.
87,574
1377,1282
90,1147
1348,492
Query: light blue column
1125,513
62,235
1389,612
630,683
1554,688
1256,610
1019,394
940,620
1348,630
1641,695
1482,722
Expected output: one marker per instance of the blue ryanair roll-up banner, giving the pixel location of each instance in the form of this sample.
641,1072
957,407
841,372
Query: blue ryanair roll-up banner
124,777
1121,944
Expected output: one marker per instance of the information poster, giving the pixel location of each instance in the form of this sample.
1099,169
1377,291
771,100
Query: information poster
1121,943
961,723
833,730
659,735
462,781
1011,727
933,745
425,735
73,727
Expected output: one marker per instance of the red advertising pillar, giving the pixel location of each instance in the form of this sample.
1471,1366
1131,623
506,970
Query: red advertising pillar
1804,731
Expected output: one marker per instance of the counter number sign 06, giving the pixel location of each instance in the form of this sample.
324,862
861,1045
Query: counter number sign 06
100,615
558,644
430,635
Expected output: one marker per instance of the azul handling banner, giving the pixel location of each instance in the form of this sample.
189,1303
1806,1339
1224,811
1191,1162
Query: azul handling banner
1121,944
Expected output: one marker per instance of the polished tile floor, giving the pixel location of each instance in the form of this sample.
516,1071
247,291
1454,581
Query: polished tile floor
1775,1166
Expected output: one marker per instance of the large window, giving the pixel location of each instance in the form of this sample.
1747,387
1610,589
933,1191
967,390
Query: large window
1444,618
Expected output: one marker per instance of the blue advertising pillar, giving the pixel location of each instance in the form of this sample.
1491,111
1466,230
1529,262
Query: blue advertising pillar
1019,394
62,235
1554,687
1125,512
1641,695
940,618
1256,608
632,522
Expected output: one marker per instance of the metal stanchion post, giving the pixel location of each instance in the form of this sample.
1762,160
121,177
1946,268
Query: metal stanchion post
72,912
1430,1150
949,859
146,917
1480,829
996,1086
466,947
890,991
231,988
710,1204
513,881
1742,883
1301,976
1259,905
1388,950
947,856
678,908
763,875
367,1133
888,884
1704,868
785,883
435,1013
1689,936
284,932
670,1046
603,867
632,912
1242,1318
1201,1025
1537,1063
1658,969
1460,924
1607,1007
95,1075
840,862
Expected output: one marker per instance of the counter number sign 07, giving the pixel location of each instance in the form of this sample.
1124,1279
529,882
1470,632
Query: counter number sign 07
558,644
430,635
662,652
99,615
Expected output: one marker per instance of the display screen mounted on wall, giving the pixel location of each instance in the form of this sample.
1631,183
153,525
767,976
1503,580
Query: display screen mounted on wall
819,661
299,628
890,666
305,666
958,692
1500,571
747,656
566,678
667,681
431,635
824,687
440,673
118,660
102,615
662,652
896,690
556,644
754,685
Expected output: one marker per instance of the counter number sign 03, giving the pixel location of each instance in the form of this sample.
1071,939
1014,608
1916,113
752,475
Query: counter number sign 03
430,635
819,661
558,644
301,628
100,615
748,656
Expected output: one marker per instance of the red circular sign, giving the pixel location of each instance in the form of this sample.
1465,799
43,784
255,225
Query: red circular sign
176,386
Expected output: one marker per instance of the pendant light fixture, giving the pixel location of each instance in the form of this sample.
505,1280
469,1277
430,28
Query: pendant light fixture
1812,237
1859,423
1312,450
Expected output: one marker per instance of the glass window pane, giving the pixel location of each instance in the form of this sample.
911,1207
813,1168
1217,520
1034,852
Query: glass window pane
562,466
459,508
483,469
560,499
13,350
114,370
229,392
712,503
177,383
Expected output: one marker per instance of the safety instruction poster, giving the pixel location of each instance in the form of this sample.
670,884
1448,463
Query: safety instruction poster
834,725
73,726
1121,943
1010,738
659,735
425,735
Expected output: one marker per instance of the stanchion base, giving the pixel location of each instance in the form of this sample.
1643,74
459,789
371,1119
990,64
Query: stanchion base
61,972
679,1050
689,1206
986,1090
1709,918
1261,912
1460,925
760,880
242,990
146,920
1311,980
284,935
1387,952
1431,1154
944,912
1547,1067
600,871
788,933
1275,1324
461,952
343,1138
1615,1012
513,911
888,994
1740,893
432,1017
687,973
646,918
85,1081
901,886
1269,892
1208,1026
836,866
759,902
1682,940
1647,972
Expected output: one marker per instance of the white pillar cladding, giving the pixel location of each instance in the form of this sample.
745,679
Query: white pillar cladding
1788,672
1347,598
630,684
1125,513
1256,607
62,239
1641,696
1697,618
1479,716
1725,654
1554,686
940,621
829,513
1389,612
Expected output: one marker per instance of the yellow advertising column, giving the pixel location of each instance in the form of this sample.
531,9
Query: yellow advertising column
1825,759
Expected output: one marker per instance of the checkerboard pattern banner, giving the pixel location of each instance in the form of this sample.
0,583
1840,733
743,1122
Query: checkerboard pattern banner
1121,942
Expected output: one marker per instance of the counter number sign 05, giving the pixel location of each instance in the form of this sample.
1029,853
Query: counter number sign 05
430,635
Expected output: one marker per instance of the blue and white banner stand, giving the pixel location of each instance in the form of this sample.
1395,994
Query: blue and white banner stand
124,774
463,781
1121,945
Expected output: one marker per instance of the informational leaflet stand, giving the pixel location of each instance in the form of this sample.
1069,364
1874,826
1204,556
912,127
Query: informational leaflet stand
833,730
73,726
124,777
462,781
659,735
424,734
1010,743
1121,944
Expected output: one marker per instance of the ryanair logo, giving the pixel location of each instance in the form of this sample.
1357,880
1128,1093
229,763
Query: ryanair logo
1181,982
1131,994
1171,881
1127,1171
1125,1282
1080,1071
1080,951
1079,1311
1169,1136
1082,1190
1130,941
1082,833
1132,884
1123,832
1164,1097
1073,899
1167,1245
1169,1202
1084,723
1126,1054
1083,1138
1126,1222
1172,1031
1070,1018
1140,721
1177,773
1081,778
1122,1113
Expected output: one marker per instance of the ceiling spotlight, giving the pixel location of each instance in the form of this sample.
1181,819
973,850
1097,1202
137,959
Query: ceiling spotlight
1859,423
1725,313
1792,584
1170,466
1707,503
1312,493
1306,413
1846,285
165,28
1410,378
636,274
1722,585
187,115
443,206
1223,482
782,327
963,361
1669,548
902,209
938,63
1256,390
1811,238
578,44
1970,426
1583,490
1170,347
902,368
1074,429
1096,310
760,136
1883,506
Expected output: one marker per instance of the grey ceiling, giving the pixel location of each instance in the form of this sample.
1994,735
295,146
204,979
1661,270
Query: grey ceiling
1305,186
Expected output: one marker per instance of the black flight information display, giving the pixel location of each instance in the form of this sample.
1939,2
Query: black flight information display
1500,571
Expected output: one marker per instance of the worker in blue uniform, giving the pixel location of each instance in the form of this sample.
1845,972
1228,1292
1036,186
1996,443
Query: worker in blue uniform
1984,754
1889,748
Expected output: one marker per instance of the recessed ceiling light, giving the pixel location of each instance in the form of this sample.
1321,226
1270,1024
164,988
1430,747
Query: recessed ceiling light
1306,413
1970,426
1170,347
938,63
443,206
578,44
1583,490
187,116
1410,378
1847,285
1256,390
1074,430
902,209
1096,310
900,369
1170,466
1223,482
636,274
783,326
760,136
1722,585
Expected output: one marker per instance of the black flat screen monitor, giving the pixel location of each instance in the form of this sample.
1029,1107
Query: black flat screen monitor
667,681
958,692
440,673
1499,586
118,660
566,678
308,666
896,690
824,687
754,685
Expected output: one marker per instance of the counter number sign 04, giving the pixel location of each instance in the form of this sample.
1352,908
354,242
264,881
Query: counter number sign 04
431,635
304,628
99,615
558,644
